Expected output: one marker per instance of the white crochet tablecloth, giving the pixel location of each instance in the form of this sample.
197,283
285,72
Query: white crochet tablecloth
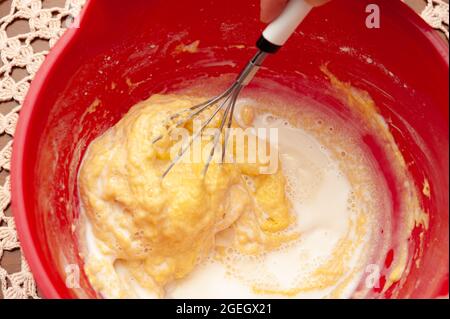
44,21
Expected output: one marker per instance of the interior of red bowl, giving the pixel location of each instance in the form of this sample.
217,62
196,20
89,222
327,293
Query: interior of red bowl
123,53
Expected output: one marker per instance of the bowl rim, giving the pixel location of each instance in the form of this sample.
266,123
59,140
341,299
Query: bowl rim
40,273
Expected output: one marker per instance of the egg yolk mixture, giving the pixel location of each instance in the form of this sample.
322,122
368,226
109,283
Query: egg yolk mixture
158,228
308,229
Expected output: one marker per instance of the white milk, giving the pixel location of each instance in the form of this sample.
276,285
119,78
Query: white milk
319,193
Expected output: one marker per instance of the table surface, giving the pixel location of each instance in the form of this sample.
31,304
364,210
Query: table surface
11,259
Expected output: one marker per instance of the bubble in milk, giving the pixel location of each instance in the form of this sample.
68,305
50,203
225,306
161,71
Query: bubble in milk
269,120
249,182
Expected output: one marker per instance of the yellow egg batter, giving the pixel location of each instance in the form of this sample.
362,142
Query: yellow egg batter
159,229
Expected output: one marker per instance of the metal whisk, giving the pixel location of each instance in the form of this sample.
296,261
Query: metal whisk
271,40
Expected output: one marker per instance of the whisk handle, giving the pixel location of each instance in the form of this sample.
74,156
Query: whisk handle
278,31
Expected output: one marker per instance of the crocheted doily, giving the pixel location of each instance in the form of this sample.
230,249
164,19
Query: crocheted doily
436,15
19,54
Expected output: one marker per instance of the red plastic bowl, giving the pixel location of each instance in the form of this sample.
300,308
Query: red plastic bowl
129,42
